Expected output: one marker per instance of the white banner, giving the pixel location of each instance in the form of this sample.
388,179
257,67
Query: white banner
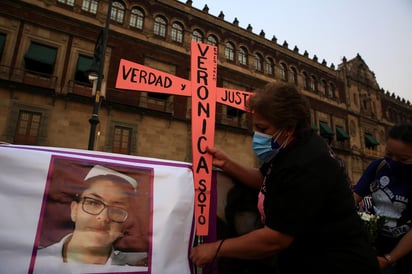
78,211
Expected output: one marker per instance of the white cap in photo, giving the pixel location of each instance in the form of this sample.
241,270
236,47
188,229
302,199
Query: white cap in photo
98,170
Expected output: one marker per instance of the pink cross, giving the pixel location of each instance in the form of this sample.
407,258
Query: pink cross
202,88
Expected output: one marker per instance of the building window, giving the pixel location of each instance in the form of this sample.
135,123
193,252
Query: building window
293,76
269,66
117,13
136,18
325,131
242,57
197,36
159,27
234,116
158,95
313,84
82,69
2,42
177,33
40,58
370,141
122,137
355,99
229,52
341,134
67,2
283,72
324,87
305,80
331,91
258,62
28,128
232,112
211,40
90,6
365,102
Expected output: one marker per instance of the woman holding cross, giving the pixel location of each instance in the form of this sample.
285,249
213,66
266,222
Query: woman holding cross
310,221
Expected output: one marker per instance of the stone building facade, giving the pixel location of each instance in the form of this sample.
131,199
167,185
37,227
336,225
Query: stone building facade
47,47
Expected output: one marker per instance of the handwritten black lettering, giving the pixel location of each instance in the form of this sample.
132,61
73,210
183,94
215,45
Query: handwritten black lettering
205,109
201,102
202,185
200,62
158,80
202,207
202,92
125,74
201,197
142,76
204,124
202,165
199,147
203,53
201,220
202,75
237,97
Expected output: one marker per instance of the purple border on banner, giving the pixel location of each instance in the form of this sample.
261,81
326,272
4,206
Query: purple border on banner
212,236
96,160
99,156
106,156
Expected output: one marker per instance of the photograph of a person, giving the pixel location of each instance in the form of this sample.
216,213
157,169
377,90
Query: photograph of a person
106,212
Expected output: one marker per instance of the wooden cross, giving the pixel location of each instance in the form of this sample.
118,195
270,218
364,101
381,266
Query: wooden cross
202,88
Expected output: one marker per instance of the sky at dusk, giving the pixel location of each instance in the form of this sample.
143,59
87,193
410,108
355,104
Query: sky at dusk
379,30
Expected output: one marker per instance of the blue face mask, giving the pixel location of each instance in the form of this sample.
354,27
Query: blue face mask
265,146
399,168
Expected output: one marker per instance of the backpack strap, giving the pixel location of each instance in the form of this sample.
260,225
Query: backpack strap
380,166
367,202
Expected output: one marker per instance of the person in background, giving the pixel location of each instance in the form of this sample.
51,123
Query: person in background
309,216
388,181
98,214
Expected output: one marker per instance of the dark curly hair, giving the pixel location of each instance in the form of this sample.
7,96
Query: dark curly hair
282,105
401,132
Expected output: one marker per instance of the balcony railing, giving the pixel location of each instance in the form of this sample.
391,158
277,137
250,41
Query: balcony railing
39,79
79,88
341,145
126,97
29,77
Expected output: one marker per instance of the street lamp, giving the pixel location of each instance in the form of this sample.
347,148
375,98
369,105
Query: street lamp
93,76
96,76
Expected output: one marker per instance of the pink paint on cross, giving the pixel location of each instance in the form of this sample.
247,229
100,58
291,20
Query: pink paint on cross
202,88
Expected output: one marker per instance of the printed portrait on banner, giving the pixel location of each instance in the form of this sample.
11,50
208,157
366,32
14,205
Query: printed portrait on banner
95,218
